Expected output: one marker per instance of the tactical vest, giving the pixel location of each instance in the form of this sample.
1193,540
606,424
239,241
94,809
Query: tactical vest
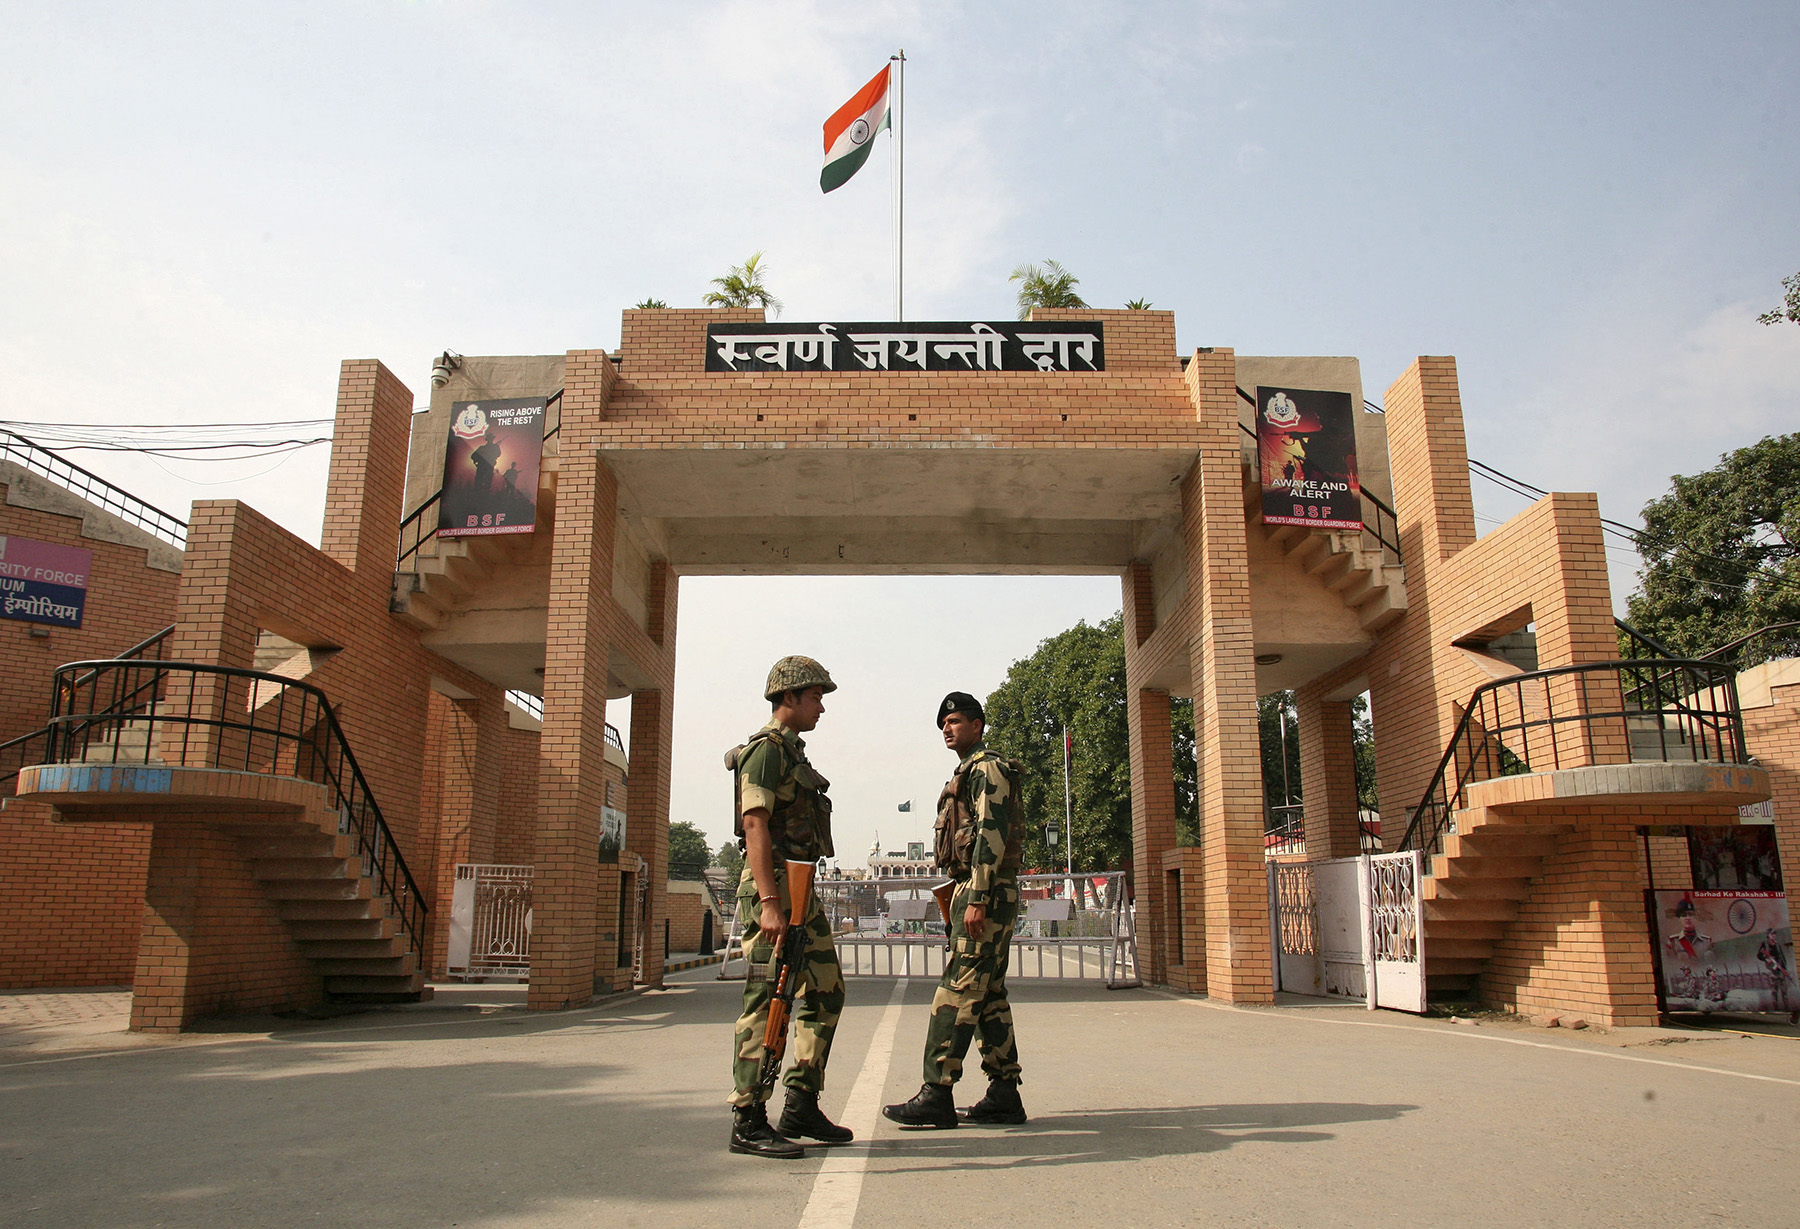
799,831
955,833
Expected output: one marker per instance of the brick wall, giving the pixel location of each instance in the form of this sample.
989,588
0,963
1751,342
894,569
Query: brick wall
1772,731
73,900
686,907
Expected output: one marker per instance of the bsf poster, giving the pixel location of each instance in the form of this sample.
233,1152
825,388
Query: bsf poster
1306,449
1725,951
491,467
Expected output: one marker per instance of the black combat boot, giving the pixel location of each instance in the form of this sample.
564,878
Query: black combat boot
1000,1107
752,1135
801,1116
932,1106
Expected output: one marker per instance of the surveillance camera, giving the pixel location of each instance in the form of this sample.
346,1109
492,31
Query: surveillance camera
447,362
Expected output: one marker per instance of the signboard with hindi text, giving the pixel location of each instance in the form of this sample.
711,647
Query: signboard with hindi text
1306,450
1050,346
41,582
491,467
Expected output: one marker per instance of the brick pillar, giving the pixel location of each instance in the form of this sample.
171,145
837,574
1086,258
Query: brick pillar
1152,823
1328,775
210,940
1429,459
367,481
647,825
462,792
1221,656
572,749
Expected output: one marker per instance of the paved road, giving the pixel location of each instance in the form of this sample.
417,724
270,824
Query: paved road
1146,1109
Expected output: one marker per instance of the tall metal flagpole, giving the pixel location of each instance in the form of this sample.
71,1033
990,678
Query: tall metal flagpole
899,61
1068,815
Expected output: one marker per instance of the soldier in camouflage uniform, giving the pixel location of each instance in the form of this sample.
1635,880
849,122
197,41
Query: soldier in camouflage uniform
980,834
782,814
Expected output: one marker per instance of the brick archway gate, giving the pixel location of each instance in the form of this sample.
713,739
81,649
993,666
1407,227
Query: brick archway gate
663,468
1078,442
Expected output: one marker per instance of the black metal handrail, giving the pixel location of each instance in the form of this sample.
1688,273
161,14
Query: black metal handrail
1729,651
1284,830
418,529
1679,709
130,710
16,753
1383,524
92,487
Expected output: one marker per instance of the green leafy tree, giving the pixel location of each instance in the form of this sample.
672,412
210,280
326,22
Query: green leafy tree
688,855
1138,305
1722,555
648,304
729,858
742,286
1050,286
1281,786
1364,726
1078,677
1790,308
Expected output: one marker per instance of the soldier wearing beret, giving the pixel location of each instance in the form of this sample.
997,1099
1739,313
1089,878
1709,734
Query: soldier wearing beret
782,814
980,833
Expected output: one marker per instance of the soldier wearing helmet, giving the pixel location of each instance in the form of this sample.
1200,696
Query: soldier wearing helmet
782,813
980,835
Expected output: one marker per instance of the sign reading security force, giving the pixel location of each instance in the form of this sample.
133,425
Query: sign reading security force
1047,346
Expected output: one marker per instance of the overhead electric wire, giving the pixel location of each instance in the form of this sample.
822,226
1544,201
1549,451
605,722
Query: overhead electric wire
217,441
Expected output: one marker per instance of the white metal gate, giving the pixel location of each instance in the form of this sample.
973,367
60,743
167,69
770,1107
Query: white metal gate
1070,927
1350,927
490,922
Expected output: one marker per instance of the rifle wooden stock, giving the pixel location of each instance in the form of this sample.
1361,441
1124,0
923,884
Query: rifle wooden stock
943,892
787,972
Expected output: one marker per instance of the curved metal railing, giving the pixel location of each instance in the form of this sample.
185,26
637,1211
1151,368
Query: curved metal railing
128,711
18,753
1647,709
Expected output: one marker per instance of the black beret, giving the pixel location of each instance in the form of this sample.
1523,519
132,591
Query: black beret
960,702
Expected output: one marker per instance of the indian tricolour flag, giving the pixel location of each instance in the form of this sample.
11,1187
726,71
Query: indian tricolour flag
850,132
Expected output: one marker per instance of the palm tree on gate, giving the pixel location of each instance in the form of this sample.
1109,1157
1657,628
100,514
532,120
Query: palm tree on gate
1050,286
742,286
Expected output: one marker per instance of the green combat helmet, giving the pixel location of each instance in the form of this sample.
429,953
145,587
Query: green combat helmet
796,674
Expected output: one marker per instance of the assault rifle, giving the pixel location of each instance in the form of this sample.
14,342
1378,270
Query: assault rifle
943,892
788,961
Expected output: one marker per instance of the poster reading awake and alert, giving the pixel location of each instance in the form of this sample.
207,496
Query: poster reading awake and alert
491,467
1725,951
1306,446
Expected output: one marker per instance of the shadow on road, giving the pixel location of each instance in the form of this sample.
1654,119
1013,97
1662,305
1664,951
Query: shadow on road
1109,1136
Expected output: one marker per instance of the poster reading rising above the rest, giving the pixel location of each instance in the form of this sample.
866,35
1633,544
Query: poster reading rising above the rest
1306,450
491,467
1725,951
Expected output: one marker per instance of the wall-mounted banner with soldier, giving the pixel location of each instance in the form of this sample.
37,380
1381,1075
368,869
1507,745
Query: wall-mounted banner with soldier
1306,449
491,467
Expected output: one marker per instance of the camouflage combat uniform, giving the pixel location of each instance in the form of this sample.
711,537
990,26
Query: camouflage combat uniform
971,997
773,773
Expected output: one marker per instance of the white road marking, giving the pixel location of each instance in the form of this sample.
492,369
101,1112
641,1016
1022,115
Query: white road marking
838,1187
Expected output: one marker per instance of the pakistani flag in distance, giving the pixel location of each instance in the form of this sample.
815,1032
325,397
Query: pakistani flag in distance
905,806
850,132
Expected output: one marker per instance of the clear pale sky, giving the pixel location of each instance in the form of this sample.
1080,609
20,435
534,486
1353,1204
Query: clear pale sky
204,207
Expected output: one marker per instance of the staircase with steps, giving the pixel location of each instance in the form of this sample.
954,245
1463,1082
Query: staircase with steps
1347,562
442,573
335,914
1473,893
